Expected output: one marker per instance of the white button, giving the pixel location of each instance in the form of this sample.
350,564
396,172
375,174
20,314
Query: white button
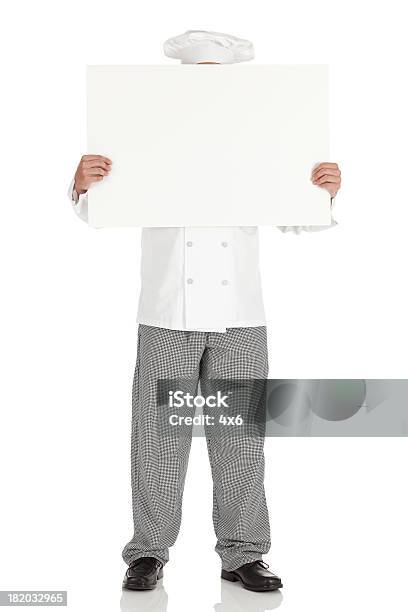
224,282
224,244
189,243
190,281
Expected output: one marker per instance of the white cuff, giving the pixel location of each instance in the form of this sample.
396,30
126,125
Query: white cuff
79,201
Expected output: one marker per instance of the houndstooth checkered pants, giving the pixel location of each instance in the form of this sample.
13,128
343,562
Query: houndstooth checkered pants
159,464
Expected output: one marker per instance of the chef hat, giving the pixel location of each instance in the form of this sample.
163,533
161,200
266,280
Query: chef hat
196,46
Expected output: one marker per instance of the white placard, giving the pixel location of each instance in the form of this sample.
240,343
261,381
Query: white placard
208,145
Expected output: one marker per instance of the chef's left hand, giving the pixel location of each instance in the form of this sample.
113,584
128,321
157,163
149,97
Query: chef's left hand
327,176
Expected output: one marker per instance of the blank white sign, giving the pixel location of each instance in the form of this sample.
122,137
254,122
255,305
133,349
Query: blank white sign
208,145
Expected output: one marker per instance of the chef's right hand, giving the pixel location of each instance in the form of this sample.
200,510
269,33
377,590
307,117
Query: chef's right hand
91,169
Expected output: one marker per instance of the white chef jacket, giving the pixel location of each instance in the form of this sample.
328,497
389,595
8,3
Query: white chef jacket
198,278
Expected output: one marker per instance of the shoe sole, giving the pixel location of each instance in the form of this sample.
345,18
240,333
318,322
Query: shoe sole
232,577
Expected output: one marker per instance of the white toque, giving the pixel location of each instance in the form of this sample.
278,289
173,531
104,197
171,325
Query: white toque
196,46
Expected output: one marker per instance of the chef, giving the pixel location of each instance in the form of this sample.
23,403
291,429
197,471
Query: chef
200,316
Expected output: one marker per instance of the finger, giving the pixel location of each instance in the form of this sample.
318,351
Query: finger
322,169
86,176
326,165
325,171
93,157
327,179
95,172
327,168
96,163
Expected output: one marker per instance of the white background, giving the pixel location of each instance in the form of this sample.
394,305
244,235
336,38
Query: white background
68,332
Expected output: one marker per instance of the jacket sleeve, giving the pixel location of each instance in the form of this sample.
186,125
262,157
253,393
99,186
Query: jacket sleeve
79,202
297,229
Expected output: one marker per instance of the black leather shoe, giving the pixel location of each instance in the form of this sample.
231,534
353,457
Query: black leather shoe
143,574
254,576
